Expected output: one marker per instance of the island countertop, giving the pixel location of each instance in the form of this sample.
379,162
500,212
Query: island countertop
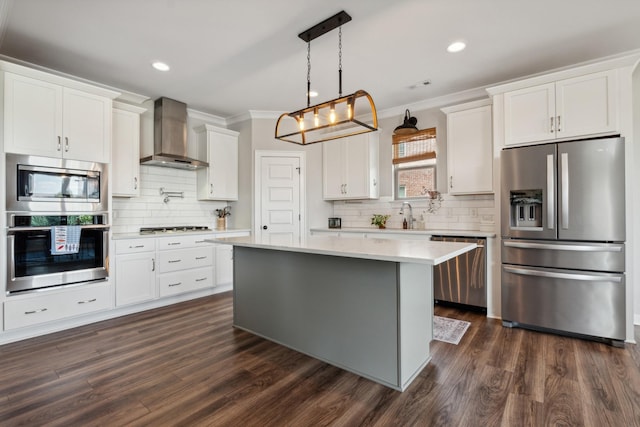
412,251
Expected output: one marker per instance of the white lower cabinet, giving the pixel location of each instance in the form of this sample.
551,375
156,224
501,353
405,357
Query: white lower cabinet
186,281
135,271
224,264
184,270
185,264
28,310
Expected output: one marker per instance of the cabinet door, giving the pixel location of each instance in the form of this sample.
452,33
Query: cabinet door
32,116
529,114
218,181
224,265
87,126
135,278
223,166
126,153
586,105
333,164
469,151
357,166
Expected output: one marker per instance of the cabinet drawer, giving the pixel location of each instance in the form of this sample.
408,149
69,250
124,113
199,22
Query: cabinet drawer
183,241
31,310
185,259
185,281
131,246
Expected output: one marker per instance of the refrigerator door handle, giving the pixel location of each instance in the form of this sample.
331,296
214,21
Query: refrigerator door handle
569,276
564,189
550,192
560,247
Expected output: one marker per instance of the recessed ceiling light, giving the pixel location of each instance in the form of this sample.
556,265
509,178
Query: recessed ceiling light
160,66
456,46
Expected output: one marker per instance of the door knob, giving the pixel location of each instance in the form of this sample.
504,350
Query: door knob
264,227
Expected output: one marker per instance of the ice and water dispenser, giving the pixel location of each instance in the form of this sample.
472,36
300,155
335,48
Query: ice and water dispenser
526,209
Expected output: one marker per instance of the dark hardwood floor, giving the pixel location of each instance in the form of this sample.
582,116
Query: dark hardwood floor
185,365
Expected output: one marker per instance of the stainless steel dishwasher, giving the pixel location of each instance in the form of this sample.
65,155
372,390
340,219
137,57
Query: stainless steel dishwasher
462,280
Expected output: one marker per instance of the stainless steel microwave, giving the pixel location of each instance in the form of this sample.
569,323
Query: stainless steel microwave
37,184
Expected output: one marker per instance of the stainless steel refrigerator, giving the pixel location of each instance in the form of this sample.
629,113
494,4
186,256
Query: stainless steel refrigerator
563,233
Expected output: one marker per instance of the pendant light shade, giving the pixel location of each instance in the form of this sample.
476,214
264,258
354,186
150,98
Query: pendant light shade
341,117
338,118
408,126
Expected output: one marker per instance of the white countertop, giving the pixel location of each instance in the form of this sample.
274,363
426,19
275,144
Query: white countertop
414,251
120,236
429,232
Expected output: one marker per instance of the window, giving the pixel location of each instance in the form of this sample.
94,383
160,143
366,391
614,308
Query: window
414,164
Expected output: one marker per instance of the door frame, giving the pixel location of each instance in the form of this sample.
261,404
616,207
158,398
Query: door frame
257,193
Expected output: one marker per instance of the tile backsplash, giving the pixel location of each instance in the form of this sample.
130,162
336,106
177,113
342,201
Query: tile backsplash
150,210
452,213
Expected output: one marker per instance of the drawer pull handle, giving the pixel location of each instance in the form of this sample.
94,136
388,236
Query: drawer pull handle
172,261
174,243
201,257
201,280
35,311
199,241
136,246
87,301
171,285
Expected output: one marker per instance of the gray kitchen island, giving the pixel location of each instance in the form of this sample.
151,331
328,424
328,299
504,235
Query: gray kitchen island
364,305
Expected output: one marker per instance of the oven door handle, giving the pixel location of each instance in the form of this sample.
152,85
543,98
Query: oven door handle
11,265
13,230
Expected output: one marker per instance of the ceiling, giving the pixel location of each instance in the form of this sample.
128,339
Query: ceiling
229,57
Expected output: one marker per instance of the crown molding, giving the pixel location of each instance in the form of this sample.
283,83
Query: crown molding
206,117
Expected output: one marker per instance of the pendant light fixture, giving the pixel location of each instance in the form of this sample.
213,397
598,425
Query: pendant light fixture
408,126
338,118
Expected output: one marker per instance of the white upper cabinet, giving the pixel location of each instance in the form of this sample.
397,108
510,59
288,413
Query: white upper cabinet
350,167
470,148
218,147
47,119
570,108
125,181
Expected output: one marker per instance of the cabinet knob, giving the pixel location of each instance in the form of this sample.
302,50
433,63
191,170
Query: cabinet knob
264,227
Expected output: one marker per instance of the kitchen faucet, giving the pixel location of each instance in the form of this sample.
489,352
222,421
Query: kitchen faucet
410,218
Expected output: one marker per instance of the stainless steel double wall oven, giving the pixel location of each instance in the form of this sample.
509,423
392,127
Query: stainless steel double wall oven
45,195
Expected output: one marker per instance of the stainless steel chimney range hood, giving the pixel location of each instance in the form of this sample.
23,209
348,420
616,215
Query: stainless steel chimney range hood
170,137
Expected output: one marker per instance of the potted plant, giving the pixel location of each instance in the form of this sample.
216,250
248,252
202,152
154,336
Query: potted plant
380,220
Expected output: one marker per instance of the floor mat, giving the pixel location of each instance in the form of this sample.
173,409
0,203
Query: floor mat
449,330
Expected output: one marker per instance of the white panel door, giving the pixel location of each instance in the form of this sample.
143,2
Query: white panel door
280,199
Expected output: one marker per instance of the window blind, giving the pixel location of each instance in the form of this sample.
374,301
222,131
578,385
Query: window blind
416,146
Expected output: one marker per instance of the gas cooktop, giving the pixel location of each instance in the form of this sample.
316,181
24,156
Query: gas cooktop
173,229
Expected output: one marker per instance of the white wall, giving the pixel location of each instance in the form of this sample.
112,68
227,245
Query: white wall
149,210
